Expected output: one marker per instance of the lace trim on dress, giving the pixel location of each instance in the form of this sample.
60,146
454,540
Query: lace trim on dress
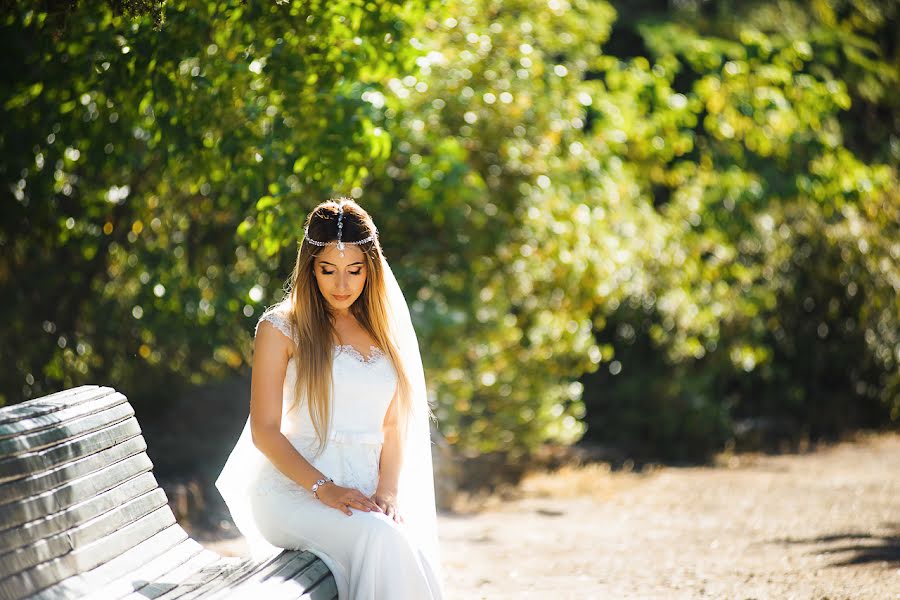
283,324
280,321
374,355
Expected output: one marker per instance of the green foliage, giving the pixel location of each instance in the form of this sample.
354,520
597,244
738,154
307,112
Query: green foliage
672,227
486,131
774,296
131,156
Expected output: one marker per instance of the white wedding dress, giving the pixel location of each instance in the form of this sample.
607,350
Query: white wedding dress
370,555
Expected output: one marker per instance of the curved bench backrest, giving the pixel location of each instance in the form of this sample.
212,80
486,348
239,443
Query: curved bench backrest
76,488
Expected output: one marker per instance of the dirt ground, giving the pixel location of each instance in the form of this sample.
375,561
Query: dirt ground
818,525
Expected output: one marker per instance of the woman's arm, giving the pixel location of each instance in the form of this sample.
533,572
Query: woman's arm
389,467
271,353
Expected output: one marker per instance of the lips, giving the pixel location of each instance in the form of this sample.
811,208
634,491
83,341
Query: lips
341,298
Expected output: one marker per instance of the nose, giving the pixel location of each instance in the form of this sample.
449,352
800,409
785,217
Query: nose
343,282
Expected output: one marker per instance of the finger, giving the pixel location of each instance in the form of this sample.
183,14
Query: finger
375,502
357,504
369,503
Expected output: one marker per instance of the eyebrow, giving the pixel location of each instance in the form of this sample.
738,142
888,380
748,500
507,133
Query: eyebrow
325,262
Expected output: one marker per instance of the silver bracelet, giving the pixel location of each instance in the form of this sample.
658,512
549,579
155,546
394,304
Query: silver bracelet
318,484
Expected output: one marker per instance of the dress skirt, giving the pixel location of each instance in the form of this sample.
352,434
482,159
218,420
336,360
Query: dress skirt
370,555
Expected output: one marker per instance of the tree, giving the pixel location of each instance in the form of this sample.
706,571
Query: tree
130,155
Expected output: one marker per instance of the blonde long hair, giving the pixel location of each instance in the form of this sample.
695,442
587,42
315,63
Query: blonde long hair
312,318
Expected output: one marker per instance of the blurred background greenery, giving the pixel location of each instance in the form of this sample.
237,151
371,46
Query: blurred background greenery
667,227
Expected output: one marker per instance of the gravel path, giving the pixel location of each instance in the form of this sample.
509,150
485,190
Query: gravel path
821,525
824,525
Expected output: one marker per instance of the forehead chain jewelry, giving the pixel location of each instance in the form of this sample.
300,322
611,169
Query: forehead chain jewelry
340,243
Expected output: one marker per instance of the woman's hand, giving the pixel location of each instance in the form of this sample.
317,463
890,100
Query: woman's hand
343,499
387,502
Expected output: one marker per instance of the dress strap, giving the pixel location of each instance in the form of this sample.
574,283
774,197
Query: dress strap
281,322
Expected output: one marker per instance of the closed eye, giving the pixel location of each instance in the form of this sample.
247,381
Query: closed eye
332,272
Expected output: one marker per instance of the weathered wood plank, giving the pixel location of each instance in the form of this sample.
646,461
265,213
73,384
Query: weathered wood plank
326,589
55,501
185,559
222,575
167,542
52,403
40,422
20,535
71,429
281,567
90,531
87,557
154,588
292,580
221,568
17,467
39,483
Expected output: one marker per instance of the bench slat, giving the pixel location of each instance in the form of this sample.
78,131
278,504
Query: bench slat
18,513
324,590
158,545
178,562
75,515
292,562
71,429
296,579
17,467
187,574
47,480
166,582
320,584
225,574
90,556
44,421
52,403
94,529
217,575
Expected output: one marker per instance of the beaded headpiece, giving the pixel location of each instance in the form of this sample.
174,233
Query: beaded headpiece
340,225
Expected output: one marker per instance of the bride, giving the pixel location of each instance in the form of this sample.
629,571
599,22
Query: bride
335,457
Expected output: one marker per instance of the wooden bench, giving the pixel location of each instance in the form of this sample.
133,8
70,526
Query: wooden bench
82,516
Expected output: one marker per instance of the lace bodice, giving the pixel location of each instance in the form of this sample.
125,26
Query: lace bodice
363,386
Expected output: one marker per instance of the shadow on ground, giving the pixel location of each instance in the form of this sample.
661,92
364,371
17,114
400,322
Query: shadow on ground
856,548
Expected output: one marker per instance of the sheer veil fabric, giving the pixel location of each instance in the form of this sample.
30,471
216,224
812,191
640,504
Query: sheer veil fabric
415,494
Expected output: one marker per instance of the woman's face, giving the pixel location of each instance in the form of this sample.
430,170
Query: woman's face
341,279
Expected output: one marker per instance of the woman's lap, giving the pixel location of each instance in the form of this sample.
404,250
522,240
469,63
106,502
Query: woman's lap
369,553
295,522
